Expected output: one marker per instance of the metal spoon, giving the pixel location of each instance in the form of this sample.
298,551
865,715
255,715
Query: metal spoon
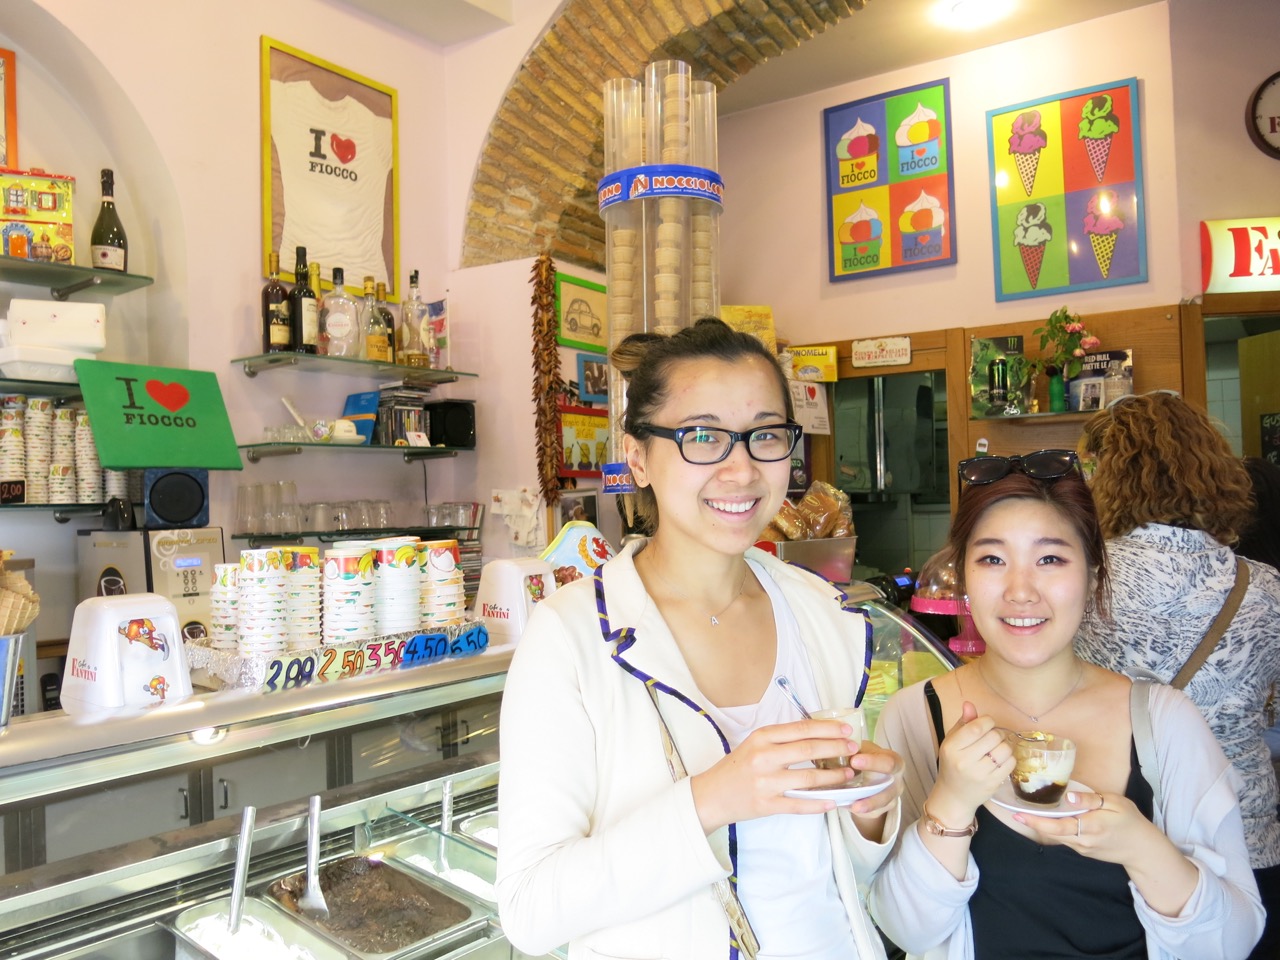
242,869
311,903
785,684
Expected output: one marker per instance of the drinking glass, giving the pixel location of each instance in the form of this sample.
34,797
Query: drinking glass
319,517
270,508
287,516
249,518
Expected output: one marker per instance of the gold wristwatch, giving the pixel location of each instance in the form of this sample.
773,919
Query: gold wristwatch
939,829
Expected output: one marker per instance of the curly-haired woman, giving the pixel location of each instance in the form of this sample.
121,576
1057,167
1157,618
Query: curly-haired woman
1172,499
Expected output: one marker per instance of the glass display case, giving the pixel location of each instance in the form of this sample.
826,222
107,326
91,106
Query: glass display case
118,829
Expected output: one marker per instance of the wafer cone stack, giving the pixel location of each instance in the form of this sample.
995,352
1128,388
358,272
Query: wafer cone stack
19,604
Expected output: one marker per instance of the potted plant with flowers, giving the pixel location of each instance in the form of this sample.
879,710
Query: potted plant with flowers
1064,341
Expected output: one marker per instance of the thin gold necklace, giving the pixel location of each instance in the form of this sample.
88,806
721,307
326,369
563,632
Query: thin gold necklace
1043,713
715,617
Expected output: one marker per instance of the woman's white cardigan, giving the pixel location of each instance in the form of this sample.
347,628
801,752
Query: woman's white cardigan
599,848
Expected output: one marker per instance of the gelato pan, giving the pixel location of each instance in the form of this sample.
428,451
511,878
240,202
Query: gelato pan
264,934
374,908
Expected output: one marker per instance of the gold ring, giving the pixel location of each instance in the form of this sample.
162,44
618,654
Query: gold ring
1102,802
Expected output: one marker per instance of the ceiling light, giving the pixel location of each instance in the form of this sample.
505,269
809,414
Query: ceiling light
971,14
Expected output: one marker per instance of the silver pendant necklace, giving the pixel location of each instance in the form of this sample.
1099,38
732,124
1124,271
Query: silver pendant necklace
1043,713
715,617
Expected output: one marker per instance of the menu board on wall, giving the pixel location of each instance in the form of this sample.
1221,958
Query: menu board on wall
890,189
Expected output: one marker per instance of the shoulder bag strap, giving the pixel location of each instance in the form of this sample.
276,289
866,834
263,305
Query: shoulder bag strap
744,937
1144,738
1216,629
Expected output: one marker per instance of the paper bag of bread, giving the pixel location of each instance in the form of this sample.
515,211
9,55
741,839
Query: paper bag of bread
823,512
19,604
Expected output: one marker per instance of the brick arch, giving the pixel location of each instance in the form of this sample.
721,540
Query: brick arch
534,188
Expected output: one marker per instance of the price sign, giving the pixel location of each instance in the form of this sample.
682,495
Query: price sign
293,672
374,656
424,648
13,491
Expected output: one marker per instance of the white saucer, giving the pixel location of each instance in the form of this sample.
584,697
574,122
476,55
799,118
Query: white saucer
348,441
867,785
1005,797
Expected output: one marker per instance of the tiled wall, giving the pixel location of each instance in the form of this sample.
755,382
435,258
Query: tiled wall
1223,383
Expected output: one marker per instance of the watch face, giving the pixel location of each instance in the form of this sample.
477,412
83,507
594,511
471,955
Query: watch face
1264,116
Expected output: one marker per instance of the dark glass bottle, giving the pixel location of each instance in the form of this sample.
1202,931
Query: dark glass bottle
277,333
304,311
108,247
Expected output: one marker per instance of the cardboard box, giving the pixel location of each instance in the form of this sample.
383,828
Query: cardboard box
35,219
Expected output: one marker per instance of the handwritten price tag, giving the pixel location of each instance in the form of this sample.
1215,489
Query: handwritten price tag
354,660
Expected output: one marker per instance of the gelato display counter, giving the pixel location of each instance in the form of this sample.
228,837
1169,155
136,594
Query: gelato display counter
120,830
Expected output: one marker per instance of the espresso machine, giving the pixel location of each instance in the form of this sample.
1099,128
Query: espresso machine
176,564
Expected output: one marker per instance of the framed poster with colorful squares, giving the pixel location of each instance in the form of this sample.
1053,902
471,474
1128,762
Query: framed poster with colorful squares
890,190
1066,192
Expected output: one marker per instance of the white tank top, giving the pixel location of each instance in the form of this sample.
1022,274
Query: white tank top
785,878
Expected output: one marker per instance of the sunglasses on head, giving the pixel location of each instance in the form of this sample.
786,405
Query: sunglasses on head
1041,465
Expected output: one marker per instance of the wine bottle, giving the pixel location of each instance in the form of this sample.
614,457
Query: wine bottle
277,334
304,312
412,351
108,247
376,335
389,319
339,320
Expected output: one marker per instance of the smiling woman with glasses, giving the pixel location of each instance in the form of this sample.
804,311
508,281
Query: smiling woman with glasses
1173,498
688,810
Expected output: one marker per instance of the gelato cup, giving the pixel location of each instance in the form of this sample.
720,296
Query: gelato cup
1042,767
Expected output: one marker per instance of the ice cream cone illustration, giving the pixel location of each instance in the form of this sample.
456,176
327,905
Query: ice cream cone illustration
860,237
920,227
859,154
1026,141
918,138
1097,126
1030,235
1101,224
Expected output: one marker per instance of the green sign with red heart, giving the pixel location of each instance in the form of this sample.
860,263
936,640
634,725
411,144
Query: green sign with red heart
157,416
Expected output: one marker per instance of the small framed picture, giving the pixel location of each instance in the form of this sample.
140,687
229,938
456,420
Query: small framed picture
9,107
593,378
578,505
580,314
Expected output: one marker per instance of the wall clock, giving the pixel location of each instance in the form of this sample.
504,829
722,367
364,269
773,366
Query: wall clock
1263,116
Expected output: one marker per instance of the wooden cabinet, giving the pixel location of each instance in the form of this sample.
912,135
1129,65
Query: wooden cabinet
1168,353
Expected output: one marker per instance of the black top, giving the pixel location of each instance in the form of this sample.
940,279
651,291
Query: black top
1049,901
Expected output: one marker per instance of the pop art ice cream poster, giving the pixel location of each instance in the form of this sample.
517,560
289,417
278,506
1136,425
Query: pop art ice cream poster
1066,202
890,194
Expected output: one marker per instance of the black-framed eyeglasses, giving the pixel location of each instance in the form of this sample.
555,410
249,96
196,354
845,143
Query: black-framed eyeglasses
1041,465
704,445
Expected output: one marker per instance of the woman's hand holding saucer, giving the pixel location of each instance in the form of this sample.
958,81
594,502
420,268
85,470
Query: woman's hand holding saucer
1112,829
750,781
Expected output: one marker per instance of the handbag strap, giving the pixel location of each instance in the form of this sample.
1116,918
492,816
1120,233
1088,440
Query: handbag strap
1216,629
744,937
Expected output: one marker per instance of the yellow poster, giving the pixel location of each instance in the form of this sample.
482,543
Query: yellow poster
757,321
814,363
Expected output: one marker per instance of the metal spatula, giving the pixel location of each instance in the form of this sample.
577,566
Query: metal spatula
311,903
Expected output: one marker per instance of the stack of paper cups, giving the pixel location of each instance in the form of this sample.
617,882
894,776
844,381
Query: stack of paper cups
347,587
88,469
115,483
443,596
302,596
396,584
62,469
37,431
13,448
261,614
224,602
